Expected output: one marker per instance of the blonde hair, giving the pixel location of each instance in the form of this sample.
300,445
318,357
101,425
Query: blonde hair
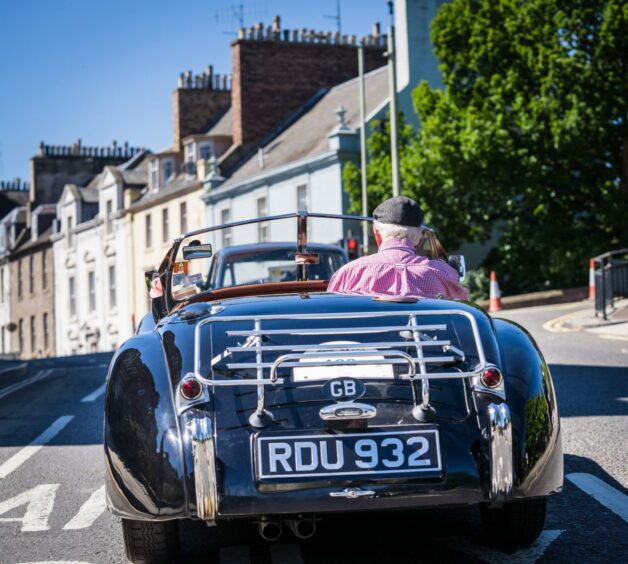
403,232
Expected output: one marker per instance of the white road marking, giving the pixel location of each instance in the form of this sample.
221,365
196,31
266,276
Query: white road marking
493,556
39,502
25,453
93,508
235,555
95,394
608,496
56,562
286,554
23,383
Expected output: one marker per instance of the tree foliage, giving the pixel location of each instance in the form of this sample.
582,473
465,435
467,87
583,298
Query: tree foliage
529,137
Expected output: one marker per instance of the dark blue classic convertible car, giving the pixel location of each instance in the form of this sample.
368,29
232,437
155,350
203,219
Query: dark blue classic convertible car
278,403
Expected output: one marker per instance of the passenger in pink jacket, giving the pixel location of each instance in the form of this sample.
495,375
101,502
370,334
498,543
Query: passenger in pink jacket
396,269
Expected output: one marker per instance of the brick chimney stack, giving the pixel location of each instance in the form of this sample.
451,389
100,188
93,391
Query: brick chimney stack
275,72
197,102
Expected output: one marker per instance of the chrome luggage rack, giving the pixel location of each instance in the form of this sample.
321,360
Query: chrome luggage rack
305,355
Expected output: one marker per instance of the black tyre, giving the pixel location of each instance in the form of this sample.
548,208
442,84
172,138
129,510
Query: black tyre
150,542
517,523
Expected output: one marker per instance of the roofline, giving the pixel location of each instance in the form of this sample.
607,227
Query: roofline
138,207
308,164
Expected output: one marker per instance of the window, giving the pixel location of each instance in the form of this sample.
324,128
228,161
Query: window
19,278
168,169
302,198
164,225
154,174
205,151
72,295
20,335
32,335
70,235
46,332
44,270
112,286
189,153
148,231
183,215
91,291
225,217
31,274
108,213
262,228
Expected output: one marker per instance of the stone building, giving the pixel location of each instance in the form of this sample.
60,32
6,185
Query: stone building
93,248
31,272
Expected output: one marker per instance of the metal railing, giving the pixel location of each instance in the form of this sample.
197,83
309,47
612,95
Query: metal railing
611,280
339,354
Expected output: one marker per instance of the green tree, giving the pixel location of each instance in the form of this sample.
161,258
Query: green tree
530,135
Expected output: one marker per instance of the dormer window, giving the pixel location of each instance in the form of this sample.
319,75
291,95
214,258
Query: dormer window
205,151
70,225
154,174
190,157
167,166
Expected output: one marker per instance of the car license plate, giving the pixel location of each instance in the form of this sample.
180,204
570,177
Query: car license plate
382,453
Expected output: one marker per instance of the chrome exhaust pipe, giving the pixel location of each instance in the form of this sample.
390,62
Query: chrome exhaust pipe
270,530
303,528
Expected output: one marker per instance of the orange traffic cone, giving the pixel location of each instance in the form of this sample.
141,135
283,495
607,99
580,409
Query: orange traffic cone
592,279
495,298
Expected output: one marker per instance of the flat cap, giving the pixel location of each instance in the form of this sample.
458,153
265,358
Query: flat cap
400,211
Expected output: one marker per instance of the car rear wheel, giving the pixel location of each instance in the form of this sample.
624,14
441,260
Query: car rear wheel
517,523
150,542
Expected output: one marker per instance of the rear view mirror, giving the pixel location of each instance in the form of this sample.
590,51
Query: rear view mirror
458,264
197,251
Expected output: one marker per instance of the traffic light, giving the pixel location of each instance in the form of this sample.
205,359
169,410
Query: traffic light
352,248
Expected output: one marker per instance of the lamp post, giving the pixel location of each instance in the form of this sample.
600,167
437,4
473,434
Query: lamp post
392,76
365,208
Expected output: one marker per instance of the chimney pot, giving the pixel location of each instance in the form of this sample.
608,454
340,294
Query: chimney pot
242,33
251,32
352,39
180,82
188,79
225,82
276,24
295,35
336,38
376,29
286,35
260,31
269,33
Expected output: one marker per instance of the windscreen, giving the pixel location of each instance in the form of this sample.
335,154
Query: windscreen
261,252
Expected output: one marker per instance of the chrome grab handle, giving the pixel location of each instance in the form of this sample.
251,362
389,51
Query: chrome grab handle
341,360
353,493
347,410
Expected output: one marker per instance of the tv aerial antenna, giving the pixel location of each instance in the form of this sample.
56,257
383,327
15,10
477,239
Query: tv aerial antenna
337,17
239,14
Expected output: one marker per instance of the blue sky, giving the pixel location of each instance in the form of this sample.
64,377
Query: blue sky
105,69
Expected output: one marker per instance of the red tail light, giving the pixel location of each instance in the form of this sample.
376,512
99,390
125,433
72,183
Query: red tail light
492,377
191,388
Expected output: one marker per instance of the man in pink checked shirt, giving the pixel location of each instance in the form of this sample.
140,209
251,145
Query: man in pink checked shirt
396,269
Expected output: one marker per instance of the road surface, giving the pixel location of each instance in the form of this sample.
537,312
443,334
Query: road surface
52,496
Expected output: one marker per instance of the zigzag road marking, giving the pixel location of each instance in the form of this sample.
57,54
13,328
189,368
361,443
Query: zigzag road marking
608,496
93,508
25,453
494,556
23,383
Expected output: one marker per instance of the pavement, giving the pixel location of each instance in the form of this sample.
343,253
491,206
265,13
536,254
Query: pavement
583,319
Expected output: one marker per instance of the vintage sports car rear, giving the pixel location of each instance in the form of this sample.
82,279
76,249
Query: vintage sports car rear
280,403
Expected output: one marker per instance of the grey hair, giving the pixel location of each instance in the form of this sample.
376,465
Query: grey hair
403,232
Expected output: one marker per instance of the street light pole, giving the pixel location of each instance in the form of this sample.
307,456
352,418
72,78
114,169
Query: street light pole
392,75
365,208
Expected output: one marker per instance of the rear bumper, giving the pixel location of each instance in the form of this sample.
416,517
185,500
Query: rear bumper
238,494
